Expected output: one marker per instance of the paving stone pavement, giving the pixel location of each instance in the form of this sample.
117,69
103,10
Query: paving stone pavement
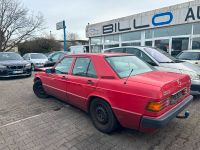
30,123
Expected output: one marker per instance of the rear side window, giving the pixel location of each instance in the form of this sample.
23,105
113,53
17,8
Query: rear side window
84,67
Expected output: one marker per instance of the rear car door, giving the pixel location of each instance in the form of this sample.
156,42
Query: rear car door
82,81
59,81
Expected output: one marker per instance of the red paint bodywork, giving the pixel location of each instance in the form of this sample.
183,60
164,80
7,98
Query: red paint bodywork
128,101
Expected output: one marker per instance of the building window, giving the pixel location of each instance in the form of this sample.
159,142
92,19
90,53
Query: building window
131,36
110,46
148,43
161,32
96,44
185,29
96,40
111,39
196,28
196,43
162,44
96,48
132,44
148,34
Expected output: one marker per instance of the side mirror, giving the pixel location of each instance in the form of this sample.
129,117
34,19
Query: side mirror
50,70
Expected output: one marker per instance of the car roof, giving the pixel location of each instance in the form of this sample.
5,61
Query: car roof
139,47
196,50
99,54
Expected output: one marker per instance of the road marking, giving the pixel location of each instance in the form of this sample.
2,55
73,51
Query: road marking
18,121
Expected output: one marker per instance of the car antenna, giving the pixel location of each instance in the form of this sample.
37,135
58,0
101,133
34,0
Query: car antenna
128,76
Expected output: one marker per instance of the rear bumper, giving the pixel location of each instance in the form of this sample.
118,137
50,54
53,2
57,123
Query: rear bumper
155,123
195,87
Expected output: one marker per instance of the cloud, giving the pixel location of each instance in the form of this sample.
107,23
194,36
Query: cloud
78,13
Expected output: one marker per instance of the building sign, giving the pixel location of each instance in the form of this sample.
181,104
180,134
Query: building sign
187,12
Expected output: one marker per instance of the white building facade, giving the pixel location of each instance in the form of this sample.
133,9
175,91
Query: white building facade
171,29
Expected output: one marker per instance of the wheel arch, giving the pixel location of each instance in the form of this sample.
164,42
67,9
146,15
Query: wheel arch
92,97
37,79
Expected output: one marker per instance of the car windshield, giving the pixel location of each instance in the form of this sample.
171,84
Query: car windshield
189,56
38,56
160,55
123,65
10,56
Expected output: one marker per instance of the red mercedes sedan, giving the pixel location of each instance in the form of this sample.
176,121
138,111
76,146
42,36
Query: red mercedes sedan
116,89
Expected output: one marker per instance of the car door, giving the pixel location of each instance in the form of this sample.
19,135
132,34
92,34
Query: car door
82,81
59,79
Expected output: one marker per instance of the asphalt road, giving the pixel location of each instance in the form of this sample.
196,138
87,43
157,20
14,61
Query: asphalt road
27,122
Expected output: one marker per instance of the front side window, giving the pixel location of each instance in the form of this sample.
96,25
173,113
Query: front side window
84,67
63,67
123,65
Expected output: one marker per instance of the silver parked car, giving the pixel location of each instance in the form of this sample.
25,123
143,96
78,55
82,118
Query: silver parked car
37,60
163,61
192,56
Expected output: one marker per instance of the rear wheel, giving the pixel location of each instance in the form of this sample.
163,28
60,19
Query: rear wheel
102,116
39,90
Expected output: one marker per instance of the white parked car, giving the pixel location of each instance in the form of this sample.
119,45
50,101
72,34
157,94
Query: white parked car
37,60
163,61
192,56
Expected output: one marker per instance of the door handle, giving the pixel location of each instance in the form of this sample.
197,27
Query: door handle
63,77
90,82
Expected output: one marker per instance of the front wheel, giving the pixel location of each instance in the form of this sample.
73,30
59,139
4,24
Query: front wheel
39,90
102,116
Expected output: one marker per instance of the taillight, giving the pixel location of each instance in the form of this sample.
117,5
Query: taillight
158,106
154,106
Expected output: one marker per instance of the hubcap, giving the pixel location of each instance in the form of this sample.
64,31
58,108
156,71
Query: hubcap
101,114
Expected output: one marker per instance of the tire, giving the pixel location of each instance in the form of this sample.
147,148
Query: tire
39,90
102,116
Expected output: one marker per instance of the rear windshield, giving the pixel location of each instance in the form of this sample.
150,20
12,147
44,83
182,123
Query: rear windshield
159,55
189,56
10,56
38,56
124,65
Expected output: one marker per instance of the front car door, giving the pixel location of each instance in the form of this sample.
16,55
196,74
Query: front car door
82,81
58,79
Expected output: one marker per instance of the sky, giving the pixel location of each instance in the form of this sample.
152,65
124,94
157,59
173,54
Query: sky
78,13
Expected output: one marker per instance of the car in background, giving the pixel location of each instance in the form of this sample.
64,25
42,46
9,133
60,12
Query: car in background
12,65
116,88
192,56
163,61
54,57
37,60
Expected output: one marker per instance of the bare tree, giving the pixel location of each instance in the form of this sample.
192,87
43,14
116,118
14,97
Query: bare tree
72,36
17,24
